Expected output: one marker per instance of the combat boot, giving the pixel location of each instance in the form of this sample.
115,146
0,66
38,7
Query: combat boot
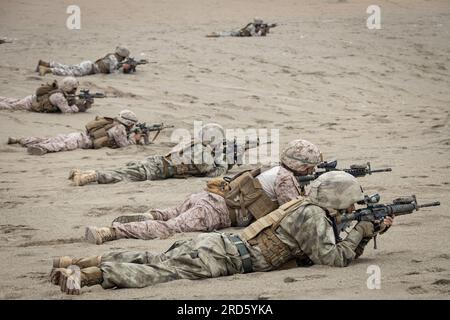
12,140
64,262
72,278
42,63
100,235
36,150
81,178
44,70
133,218
74,172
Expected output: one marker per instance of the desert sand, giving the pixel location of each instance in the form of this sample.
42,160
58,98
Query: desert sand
360,95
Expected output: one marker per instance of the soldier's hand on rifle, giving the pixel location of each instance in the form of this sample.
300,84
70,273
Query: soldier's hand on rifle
83,104
137,136
126,68
386,224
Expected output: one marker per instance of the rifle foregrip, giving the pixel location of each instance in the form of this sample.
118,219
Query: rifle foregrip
401,209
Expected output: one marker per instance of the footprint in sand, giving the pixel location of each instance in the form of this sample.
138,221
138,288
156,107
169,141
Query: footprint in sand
98,212
416,290
442,282
11,204
132,209
51,242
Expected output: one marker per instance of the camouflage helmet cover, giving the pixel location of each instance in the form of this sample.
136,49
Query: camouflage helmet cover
122,51
335,190
127,117
300,155
257,20
68,84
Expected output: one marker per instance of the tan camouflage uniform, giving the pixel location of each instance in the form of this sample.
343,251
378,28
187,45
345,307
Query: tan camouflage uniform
77,140
57,99
204,211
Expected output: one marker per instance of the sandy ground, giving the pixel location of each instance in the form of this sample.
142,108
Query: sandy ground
361,95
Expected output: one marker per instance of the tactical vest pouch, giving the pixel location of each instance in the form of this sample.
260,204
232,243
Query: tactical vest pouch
98,131
262,234
100,142
275,252
218,186
102,64
260,203
41,103
244,191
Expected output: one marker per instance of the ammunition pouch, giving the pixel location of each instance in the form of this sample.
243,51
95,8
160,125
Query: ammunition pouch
98,131
41,102
102,64
261,233
243,195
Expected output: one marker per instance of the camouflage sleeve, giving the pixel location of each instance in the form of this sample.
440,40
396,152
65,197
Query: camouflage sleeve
218,170
58,99
119,134
113,64
209,166
313,231
286,187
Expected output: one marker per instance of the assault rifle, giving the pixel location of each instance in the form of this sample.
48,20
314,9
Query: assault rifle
237,157
377,212
266,27
145,130
86,95
355,170
133,63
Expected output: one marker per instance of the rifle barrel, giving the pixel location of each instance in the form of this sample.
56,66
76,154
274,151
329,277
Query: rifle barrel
381,170
431,204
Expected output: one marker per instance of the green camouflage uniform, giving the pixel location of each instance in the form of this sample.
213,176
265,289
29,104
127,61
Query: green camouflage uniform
306,231
152,167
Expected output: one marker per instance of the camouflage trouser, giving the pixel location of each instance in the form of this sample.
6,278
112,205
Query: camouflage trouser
207,256
16,104
62,142
202,211
226,34
83,69
151,168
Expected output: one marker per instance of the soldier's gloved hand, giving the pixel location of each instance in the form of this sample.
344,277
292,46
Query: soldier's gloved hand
384,225
83,105
366,229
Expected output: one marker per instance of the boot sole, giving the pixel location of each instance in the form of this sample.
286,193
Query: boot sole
71,283
131,218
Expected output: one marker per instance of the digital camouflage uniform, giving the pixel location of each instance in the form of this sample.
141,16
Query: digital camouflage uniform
108,64
56,99
84,68
204,211
77,140
257,28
